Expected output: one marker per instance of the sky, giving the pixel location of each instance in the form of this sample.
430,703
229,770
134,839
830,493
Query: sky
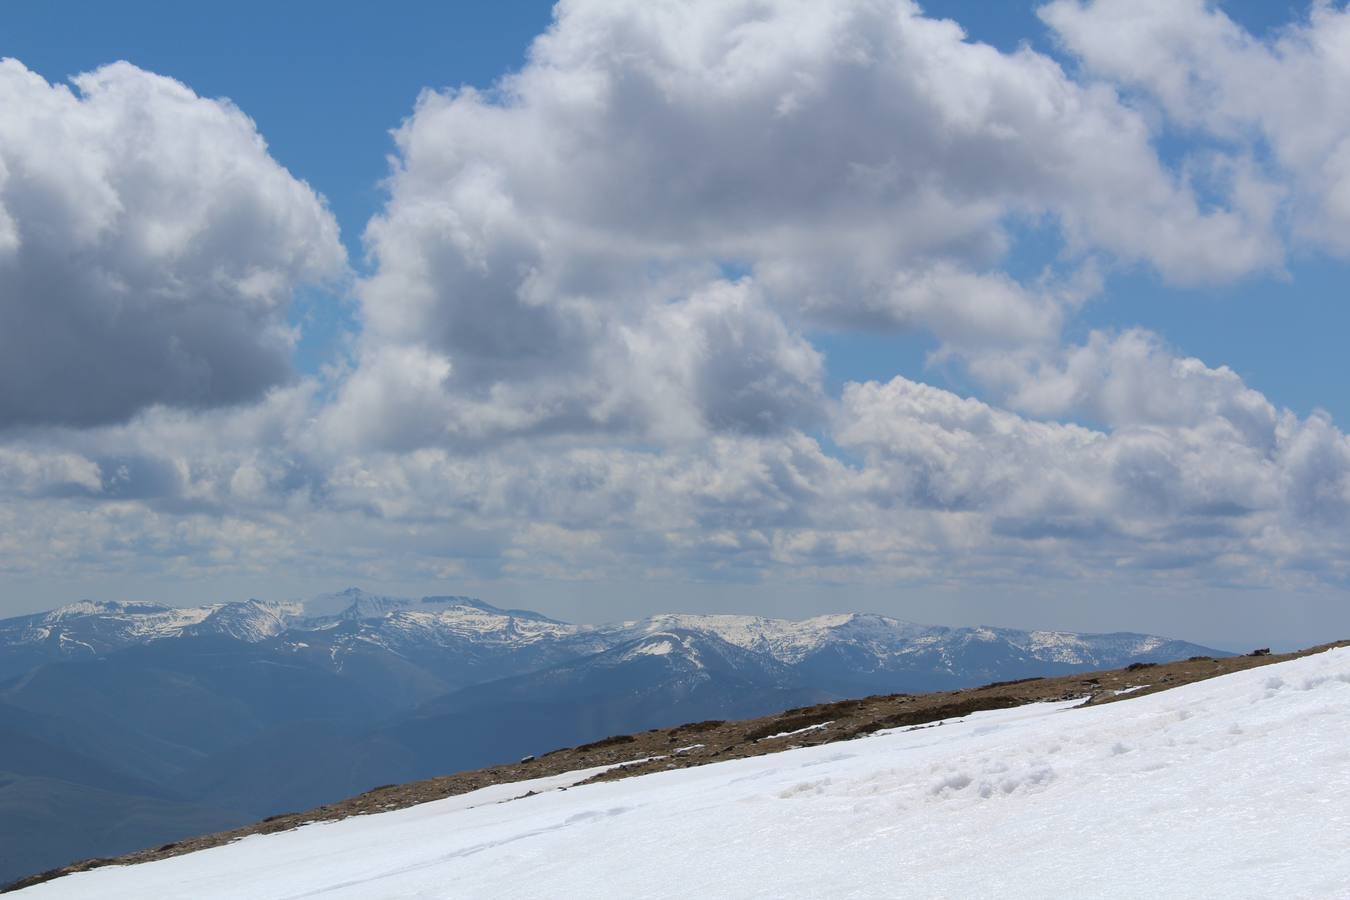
1023,314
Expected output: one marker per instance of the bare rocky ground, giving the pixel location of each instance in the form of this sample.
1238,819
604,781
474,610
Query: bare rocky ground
699,743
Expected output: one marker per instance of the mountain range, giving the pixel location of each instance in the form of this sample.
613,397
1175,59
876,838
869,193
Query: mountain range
142,723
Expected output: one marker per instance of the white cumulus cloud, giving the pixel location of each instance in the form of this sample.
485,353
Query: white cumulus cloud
847,165
149,247
1281,96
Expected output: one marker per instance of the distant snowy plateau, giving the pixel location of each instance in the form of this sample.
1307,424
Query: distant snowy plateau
1236,786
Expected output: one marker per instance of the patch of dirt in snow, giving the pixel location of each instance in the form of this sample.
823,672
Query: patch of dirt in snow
669,748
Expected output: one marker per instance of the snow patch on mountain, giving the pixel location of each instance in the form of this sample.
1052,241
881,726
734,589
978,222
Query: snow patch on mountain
679,649
475,622
1066,647
662,647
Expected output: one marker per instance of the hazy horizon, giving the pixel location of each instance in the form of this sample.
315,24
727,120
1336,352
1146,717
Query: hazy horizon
1304,625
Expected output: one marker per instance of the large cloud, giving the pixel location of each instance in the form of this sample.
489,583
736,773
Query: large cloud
1201,486
149,247
859,164
718,359
1122,380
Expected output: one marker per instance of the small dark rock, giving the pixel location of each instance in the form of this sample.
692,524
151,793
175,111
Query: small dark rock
611,741
999,684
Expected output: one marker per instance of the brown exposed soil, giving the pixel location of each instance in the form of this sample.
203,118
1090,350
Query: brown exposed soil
698,743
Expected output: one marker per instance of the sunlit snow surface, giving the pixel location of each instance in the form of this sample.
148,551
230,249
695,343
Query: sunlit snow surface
1235,786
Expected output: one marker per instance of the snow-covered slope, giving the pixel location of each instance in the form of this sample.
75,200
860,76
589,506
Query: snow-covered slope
1238,786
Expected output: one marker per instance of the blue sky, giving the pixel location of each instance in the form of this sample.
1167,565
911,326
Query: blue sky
572,298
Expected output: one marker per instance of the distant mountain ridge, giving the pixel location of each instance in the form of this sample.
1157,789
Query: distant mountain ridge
90,628
144,721
94,626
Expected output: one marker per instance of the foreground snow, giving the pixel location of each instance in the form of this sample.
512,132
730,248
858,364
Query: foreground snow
1235,786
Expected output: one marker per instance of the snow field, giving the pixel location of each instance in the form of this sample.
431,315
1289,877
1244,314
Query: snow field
1237,786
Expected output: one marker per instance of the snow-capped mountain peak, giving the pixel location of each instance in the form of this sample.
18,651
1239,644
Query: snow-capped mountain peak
81,608
353,603
786,640
454,622
252,620
91,627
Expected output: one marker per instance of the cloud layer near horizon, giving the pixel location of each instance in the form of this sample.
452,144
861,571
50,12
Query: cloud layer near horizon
586,334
